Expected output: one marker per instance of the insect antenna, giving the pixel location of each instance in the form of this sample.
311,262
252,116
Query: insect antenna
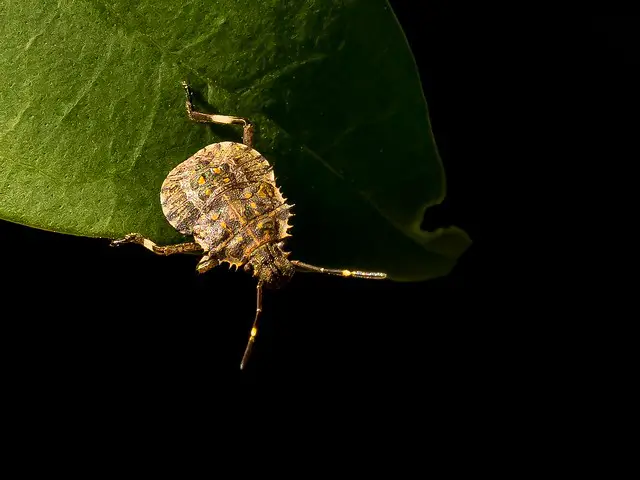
254,328
305,267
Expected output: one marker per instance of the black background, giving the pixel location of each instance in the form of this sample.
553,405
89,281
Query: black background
80,314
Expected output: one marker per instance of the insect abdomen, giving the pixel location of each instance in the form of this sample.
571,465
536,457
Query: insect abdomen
225,196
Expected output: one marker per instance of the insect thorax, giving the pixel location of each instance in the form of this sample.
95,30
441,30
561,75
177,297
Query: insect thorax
271,265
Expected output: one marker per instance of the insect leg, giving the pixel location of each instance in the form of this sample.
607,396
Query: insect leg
254,328
247,136
190,247
305,267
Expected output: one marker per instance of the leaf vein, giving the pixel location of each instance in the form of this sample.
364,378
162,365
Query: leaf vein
150,119
102,65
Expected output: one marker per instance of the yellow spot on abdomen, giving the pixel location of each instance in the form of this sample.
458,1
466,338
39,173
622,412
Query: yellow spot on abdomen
226,179
265,191
215,216
248,194
254,205
223,224
201,180
207,191
217,170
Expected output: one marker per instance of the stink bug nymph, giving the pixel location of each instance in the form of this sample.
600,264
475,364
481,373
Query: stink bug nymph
226,197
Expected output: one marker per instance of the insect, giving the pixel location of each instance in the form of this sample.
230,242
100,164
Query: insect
225,196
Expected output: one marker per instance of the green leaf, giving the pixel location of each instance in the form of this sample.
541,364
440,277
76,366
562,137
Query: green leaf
92,118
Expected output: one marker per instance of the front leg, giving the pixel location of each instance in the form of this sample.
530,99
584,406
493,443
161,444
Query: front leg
189,247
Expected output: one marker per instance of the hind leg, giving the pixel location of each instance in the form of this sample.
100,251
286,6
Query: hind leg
247,136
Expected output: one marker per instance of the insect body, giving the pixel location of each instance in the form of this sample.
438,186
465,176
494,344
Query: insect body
226,197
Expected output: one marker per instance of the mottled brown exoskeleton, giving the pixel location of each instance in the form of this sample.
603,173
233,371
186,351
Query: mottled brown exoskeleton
226,197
